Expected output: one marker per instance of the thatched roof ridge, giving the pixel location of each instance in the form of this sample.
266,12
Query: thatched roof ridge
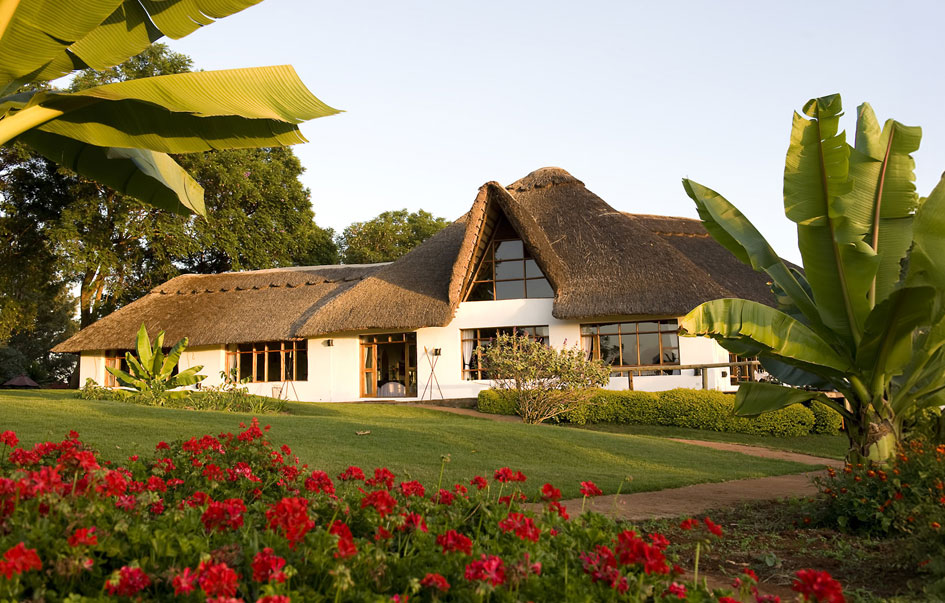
410,293
613,265
231,307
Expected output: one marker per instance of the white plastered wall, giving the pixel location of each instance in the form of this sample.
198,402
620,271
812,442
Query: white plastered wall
334,370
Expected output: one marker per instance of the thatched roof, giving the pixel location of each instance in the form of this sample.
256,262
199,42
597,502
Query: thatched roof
232,307
600,262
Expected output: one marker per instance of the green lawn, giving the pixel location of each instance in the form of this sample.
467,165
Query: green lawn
409,441
827,446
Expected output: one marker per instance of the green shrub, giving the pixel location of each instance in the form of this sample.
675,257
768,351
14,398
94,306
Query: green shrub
692,408
218,399
826,419
496,402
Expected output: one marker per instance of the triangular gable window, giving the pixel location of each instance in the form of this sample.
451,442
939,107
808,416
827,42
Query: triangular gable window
506,270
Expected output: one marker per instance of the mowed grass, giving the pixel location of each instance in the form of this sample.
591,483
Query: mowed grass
826,446
409,441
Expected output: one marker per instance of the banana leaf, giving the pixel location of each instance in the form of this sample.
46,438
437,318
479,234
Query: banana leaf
753,399
143,347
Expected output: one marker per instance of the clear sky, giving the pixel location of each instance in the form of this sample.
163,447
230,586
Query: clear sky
629,97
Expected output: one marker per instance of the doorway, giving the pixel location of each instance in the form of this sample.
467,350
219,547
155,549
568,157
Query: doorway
389,365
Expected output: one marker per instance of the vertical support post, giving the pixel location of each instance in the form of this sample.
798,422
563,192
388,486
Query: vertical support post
705,379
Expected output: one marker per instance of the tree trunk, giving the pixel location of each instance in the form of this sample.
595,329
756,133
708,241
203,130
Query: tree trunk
874,440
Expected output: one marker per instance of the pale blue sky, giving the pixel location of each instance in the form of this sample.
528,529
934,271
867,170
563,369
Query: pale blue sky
627,96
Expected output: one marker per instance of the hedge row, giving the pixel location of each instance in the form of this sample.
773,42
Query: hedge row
696,409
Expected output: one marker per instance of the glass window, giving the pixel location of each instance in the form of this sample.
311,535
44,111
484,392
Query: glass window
509,289
474,341
272,361
507,271
629,344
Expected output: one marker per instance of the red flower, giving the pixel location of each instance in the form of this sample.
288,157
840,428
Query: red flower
549,492
184,583
290,517
19,559
688,524
126,502
267,566
157,507
217,579
83,537
435,581
460,489
507,475
727,600
818,586
156,484
632,550
274,599
479,481
489,569
507,500
382,533
444,497
382,477
523,526
413,488
9,438
162,446
351,473
346,546
453,541
590,489
131,580
223,515
676,589
659,541
320,482
381,500
712,527
413,522
559,509
602,567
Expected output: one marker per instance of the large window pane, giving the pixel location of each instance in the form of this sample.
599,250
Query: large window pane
608,329
628,350
649,348
485,272
532,270
509,250
610,349
538,288
510,289
301,365
275,370
290,365
260,366
669,325
481,292
647,327
368,357
509,270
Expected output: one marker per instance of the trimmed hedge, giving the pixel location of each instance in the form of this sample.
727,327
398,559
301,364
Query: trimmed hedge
692,408
826,419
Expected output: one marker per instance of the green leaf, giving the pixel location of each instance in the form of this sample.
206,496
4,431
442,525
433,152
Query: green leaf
125,378
186,377
735,232
772,332
157,362
883,194
927,259
889,336
187,112
173,357
752,399
151,177
44,40
792,375
143,346
838,264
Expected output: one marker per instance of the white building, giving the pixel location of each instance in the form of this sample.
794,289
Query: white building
543,256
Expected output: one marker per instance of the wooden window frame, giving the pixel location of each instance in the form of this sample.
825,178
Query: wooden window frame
488,257
235,355
479,373
370,342
115,359
621,366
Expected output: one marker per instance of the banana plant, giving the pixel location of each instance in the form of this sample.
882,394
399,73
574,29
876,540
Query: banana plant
152,373
120,134
866,315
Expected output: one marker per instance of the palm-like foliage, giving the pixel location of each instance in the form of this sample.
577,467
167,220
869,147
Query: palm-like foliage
866,317
152,373
119,134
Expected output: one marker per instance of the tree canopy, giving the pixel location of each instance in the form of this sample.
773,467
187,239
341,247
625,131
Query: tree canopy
388,236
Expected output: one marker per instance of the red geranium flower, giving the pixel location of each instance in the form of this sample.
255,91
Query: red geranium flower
131,580
523,526
480,482
320,482
489,569
413,522
453,541
267,566
217,579
676,589
633,550
351,473
346,546
444,497
222,515
602,567
185,582
559,509
83,537
290,516
688,524
9,438
712,527
381,500
274,599
413,488
549,492
19,559
435,581
590,489
382,477
818,586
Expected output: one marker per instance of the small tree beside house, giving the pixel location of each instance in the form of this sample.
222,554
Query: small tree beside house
545,382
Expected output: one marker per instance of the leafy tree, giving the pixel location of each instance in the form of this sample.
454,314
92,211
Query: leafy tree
545,382
119,134
388,236
866,317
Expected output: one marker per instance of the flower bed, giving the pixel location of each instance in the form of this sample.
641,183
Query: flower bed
233,517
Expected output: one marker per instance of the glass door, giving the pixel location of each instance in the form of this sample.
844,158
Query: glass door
389,365
368,370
